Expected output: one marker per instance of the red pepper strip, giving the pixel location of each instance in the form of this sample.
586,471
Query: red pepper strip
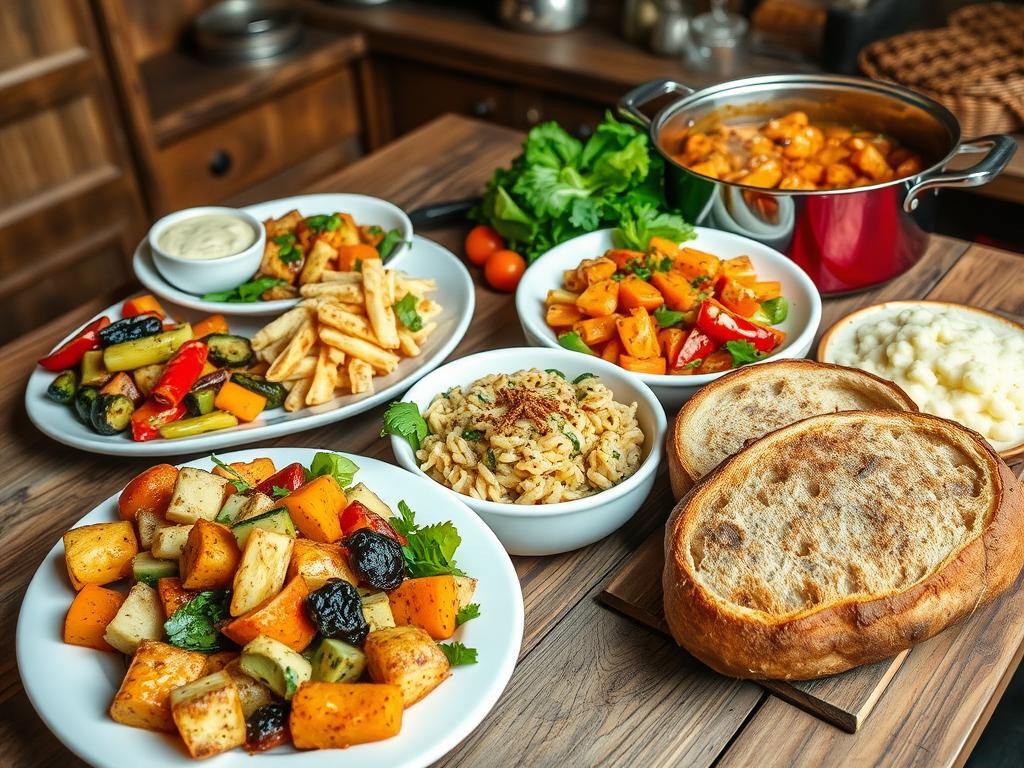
722,326
150,416
291,478
357,516
181,373
73,350
698,345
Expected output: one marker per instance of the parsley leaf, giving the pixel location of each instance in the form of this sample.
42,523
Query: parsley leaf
666,318
280,492
323,223
241,486
406,311
340,468
742,352
246,293
194,625
773,311
472,434
458,654
431,550
571,436
492,461
404,420
390,242
467,612
289,254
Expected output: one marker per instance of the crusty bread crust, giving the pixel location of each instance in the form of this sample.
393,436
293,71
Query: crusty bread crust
831,638
721,395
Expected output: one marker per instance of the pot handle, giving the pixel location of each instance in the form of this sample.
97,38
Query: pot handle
1000,149
629,105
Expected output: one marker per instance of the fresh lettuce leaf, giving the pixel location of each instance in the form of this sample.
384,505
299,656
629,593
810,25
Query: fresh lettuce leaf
636,229
334,464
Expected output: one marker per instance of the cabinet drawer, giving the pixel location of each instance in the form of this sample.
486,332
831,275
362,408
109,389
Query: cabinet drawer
253,145
418,93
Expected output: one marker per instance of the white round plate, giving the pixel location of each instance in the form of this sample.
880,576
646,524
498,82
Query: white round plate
800,325
71,687
454,293
365,210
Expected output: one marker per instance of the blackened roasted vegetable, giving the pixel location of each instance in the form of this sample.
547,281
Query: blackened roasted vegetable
83,403
200,403
274,392
267,727
130,329
337,612
229,351
377,559
62,389
111,414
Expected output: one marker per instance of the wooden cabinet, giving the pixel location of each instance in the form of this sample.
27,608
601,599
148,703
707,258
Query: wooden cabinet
70,211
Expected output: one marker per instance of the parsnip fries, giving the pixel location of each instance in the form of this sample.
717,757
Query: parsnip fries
347,329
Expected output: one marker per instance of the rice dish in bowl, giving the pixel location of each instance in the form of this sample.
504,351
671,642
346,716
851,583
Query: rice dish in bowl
530,437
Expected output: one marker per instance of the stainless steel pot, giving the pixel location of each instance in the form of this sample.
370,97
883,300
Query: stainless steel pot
846,239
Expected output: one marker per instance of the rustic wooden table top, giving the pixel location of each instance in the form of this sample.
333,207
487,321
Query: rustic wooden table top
592,686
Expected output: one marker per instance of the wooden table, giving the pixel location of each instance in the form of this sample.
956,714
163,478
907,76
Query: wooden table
591,686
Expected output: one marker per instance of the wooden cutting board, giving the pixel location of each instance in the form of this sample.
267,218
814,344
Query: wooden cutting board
843,700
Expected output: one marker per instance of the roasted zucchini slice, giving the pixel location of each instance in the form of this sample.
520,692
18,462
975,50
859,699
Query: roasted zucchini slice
111,414
83,403
62,389
274,392
228,351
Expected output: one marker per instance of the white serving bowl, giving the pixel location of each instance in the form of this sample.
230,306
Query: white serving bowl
200,276
800,326
547,529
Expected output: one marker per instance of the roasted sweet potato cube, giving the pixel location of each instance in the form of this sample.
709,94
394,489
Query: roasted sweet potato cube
210,557
143,701
599,299
336,715
316,509
281,618
99,553
253,472
86,621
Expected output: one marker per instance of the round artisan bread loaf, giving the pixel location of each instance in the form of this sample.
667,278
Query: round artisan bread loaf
723,416
837,541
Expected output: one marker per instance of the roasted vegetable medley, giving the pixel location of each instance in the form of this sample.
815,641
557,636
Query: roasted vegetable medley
267,605
669,309
153,378
790,152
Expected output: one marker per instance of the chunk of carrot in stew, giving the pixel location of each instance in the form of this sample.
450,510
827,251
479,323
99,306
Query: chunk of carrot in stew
599,299
597,330
612,350
765,291
671,341
563,315
634,292
693,263
622,257
638,334
740,269
738,298
598,270
675,287
655,365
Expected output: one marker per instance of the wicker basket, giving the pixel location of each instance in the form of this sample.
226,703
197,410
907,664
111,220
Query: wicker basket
975,68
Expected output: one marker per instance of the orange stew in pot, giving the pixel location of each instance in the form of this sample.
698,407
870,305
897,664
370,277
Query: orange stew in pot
790,152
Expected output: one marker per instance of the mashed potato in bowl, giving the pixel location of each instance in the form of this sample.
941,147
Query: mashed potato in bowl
956,362
530,437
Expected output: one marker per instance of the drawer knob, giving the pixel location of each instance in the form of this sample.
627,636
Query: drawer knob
483,107
220,163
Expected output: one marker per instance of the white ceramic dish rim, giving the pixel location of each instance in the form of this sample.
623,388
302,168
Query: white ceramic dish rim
205,210
503,666
150,277
533,318
645,398
240,436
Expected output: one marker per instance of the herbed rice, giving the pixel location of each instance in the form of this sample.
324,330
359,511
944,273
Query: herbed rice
589,441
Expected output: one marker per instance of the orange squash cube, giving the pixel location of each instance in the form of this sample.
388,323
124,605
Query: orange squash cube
210,557
280,617
316,509
92,609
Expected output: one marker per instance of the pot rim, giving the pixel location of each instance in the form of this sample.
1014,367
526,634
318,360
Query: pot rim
891,90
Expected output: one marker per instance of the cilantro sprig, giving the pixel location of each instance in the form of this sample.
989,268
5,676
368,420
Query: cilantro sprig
194,625
240,483
467,613
407,314
405,421
458,654
743,352
246,293
431,549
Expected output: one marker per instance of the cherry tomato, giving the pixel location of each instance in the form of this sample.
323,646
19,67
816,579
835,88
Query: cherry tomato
503,270
481,242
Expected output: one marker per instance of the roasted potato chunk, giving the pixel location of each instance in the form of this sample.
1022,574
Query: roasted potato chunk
406,657
143,701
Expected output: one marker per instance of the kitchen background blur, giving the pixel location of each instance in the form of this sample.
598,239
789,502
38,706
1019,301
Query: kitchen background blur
114,112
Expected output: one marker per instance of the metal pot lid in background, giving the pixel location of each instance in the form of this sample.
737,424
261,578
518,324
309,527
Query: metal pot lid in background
247,30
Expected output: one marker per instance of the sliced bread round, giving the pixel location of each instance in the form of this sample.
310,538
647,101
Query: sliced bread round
840,540
756,399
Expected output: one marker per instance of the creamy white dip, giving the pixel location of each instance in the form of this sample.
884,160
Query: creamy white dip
207,236
961,365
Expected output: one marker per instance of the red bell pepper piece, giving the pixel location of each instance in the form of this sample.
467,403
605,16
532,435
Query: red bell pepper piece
181,373
291,478
143,305
73,350
150,416
698,345
357,516
722,326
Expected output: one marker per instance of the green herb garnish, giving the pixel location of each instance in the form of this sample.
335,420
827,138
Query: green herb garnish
472,434
323,223
431,550
246,293
458,654
390,242
772,312
337,466
279,492
405,421
555,372
407,314
572,341
194,625
491,460
467,612
742,352
584,377
666,318
241,486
